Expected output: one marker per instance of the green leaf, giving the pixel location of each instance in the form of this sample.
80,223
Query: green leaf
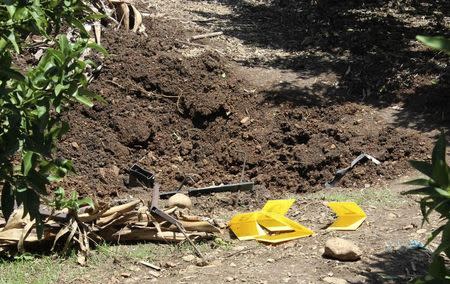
437,268
442,192
57,55
27,161
59,88
40,111
83,99
86,201
7,200
436,42
64,45
424,204
423,167
94,16
12,40
11,10
38,181
433,208
440,169
445,242
78,24
98,48
435,233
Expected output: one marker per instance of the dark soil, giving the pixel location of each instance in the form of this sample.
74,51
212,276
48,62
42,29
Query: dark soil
197,116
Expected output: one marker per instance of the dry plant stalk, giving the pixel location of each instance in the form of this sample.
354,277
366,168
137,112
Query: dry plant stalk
122,223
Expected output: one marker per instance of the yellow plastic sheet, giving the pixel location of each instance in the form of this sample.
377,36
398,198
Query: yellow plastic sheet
245,227
349,216
269,224
299,231
278,206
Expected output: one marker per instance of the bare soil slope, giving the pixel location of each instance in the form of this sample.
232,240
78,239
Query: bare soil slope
179,114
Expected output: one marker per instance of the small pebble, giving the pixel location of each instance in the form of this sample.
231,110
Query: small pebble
421,231
188,258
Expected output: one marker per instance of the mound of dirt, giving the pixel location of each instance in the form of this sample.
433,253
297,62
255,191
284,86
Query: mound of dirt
181,113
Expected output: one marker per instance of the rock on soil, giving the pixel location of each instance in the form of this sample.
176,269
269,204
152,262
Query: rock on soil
179,200
341,249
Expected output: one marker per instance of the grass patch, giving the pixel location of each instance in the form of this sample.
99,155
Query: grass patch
49,270
366,196
39,270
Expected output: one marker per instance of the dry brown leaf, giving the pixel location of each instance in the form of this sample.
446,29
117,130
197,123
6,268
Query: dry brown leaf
197,226
25,232
124,15
81,258
17,220
60,233
150,234
13,234
122,208
105,220
97,32
137,18
73,230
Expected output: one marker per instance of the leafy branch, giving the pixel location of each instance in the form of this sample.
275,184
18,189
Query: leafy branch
32,99
435,190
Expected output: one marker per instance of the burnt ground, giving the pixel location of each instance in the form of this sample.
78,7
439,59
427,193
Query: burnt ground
182,109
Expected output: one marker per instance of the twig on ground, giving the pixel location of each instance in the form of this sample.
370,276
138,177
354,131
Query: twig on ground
191,43
207,35
239,252
116,84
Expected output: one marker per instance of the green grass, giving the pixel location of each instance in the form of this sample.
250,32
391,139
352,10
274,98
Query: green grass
36,271
366,196
48,270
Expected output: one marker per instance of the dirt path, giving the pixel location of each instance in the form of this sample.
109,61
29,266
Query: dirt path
388,239
393,223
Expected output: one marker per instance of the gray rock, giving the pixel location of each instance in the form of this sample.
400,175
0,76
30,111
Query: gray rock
341,249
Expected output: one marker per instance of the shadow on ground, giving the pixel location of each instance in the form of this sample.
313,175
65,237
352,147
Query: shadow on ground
397,266
369,45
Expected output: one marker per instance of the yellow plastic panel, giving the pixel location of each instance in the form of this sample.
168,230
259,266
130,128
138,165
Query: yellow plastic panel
249,226
284,237
291,223
245,227
299,230
349,216
278,206
347,223
271,224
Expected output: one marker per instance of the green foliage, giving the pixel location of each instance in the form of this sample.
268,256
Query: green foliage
435,190
73,203
436,42
31,100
